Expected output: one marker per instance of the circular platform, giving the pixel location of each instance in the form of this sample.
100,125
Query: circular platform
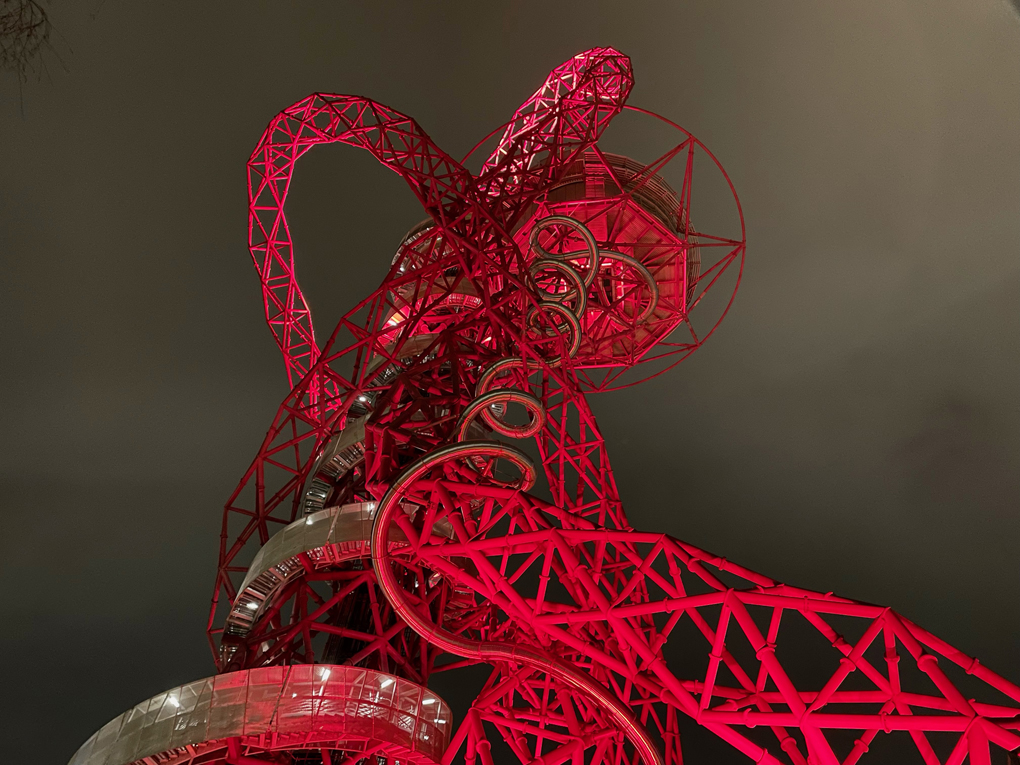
277,709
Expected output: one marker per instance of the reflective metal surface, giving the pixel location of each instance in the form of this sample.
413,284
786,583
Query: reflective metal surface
326,537
293,707
344,450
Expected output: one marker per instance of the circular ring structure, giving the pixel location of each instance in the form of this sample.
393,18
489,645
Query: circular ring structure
491,372
483,406
581,230
571,322
471,452
578,292
273,709
646,277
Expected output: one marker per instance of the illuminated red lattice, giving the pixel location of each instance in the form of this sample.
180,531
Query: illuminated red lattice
434,491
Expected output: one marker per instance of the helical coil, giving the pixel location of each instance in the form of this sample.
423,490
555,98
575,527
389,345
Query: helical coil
490,402
568,318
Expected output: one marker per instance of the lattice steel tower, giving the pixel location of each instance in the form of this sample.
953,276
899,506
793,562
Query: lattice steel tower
434,491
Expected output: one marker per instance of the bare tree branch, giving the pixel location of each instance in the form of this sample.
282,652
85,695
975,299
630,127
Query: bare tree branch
24,31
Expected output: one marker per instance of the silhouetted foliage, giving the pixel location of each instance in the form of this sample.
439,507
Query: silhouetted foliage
24,30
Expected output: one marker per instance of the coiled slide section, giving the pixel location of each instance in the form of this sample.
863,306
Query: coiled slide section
475,461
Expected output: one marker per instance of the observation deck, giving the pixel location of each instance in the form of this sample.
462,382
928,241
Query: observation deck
274,709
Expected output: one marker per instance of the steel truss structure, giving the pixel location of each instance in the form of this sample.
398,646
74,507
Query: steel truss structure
435,492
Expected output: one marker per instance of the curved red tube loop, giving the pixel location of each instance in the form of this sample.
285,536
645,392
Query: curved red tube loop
487,651
492,372
578,292
591,246
643,273
482,406
395,139
584,93
571,324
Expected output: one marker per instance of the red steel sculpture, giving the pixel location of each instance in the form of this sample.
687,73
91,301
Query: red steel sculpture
434,493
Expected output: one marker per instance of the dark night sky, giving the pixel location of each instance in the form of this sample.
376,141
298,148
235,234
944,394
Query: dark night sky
853,426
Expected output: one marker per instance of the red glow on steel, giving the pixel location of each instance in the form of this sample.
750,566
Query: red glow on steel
570,606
